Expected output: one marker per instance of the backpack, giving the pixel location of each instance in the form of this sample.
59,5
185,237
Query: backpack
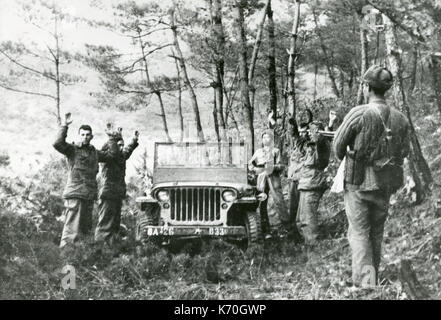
388,172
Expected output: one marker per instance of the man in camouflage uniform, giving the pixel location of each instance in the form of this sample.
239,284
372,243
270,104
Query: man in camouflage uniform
300,139
113,190
374,139
81,187
312,183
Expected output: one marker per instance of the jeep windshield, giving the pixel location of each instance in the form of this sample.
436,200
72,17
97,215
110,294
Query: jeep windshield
200,155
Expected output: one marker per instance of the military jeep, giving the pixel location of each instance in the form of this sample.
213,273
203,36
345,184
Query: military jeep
200,190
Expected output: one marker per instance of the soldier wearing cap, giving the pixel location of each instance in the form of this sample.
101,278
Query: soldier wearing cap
312,183
113,189
374,139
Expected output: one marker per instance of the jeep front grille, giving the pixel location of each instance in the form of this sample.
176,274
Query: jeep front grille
195,205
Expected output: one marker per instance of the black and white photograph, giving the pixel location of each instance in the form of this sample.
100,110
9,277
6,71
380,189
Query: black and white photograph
241,151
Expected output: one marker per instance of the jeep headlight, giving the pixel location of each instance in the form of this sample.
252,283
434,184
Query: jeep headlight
229,195
163,195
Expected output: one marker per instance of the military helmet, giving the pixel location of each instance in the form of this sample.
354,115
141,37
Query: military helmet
378,77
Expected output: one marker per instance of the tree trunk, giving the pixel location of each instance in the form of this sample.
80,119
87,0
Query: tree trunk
351,82
194,101
272,73
218,35
233,118
377,47
413,71
326,56
156,92
436,82
229,114
364,63
315,80
255,54
421,173
292,59
163,116
230,96
243,70
256,47
181,116
215,116
57,72
342,83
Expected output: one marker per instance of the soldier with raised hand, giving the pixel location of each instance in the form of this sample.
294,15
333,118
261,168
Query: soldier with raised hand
374,139
81,187
312,183
113,189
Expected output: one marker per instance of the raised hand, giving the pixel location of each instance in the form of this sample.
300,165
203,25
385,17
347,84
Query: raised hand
270,114
109,129
332,116
136,136
111,132
67,119
271,119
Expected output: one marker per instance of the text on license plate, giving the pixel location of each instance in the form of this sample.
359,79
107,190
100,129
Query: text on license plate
170,231
163,231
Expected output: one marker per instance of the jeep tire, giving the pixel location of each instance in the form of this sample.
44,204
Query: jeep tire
253,228
147,217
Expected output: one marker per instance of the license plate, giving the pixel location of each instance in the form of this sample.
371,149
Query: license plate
217,231
182,231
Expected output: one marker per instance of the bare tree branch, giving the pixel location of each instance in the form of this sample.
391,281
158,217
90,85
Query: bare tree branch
27,92
26,67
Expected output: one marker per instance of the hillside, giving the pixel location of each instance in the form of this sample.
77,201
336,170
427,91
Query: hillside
29,125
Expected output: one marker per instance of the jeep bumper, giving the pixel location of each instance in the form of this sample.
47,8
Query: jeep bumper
192,231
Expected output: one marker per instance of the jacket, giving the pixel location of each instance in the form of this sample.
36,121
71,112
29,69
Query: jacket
113,172
358,138
82,164
312,175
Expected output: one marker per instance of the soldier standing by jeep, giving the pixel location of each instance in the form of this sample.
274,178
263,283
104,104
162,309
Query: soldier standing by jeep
267,164
81,187
113,190
374,139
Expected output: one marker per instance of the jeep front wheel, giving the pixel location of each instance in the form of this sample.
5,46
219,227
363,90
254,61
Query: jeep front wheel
253,228
148,217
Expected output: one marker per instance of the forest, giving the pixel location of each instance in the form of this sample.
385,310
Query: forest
214,69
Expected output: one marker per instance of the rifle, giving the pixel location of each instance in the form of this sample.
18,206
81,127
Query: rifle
329,134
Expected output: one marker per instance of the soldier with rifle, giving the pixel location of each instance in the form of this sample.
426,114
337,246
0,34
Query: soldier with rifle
374,139
312,179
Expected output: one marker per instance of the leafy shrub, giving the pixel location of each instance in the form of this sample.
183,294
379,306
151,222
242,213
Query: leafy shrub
4,159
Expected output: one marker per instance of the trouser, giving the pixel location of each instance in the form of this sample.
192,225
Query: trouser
274,212
307,214
294,196
78,220
366,212
109,219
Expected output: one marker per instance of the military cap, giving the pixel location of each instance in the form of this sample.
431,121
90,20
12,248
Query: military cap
378,77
